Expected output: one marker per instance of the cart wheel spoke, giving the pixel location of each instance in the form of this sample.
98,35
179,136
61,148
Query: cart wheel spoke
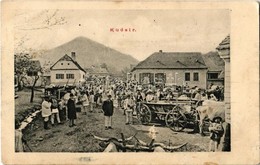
175,120
180,124
144,114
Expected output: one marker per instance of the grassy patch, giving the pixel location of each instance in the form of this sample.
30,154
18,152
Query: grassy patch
23,107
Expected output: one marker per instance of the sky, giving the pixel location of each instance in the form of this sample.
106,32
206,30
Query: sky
166,30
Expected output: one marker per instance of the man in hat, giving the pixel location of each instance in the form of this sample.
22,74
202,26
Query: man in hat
46,111
108,109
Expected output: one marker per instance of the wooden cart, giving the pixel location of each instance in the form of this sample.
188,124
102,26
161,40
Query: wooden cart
173,114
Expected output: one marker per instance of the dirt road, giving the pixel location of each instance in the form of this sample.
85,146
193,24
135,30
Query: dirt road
62,138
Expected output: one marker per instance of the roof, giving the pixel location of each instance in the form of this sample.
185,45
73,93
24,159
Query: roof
68,58
225,44
221,75
97,70
173,60
214,62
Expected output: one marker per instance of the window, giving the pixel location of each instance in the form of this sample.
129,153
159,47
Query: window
146,78
68,63
59,76
61,63
195,76
160,77
213,76
70,76
187,76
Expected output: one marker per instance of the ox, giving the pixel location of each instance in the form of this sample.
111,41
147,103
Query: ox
210,110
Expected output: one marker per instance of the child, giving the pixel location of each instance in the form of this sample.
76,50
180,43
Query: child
62,110
213,97
216,132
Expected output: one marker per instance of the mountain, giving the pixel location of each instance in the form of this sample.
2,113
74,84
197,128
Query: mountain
88,53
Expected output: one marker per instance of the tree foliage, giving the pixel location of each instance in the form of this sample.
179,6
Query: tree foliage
25,23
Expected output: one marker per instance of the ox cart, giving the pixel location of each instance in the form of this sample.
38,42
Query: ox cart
176,115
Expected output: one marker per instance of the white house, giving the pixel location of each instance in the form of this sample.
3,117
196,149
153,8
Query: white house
178,68
67,71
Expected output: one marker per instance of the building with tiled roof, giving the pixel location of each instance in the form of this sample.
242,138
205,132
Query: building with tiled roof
98,71
179,68
224,53
216,68
67,71
224,47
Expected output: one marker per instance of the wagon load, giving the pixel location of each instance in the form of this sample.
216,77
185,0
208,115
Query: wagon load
216,109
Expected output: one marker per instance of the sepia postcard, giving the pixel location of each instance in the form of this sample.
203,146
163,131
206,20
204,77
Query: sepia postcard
130,82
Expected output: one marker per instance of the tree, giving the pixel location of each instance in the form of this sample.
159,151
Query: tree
21,62
25,66
25,23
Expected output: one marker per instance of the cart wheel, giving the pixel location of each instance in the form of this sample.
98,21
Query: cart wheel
144,114
175,120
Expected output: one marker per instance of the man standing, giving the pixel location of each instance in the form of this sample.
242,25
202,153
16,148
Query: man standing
71,110
129,106
46,111
54,110
108,109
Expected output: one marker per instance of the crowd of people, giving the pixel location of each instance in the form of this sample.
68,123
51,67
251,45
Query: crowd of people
103,97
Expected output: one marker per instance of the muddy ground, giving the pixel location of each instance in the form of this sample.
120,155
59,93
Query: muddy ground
62,138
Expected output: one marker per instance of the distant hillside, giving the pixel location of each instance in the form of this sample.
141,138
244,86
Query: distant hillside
88,53
213,61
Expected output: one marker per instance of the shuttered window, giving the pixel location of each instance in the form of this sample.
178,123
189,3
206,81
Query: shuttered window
195,76
59,76
146,78
70,76
187,76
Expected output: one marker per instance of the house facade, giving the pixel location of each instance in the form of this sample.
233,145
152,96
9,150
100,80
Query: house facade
97,71
67,71
216,69
173,68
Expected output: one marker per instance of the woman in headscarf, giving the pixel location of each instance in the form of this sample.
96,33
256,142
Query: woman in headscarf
71,110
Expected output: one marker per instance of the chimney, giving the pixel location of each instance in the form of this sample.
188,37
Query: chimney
73,56
160,51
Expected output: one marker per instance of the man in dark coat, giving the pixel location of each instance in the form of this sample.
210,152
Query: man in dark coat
108,109
71,110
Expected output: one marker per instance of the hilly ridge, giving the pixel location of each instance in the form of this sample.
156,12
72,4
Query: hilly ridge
88,53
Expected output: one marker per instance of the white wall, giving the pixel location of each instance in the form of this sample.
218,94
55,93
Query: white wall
65,65
78,76
180,77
